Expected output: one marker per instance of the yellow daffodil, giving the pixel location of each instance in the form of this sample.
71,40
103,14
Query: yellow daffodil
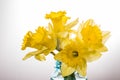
59,22
27,40
75,47
58,19
74,57
86,47
60,27
41,40
92,36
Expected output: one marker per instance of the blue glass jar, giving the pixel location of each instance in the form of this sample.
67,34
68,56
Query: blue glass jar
57,74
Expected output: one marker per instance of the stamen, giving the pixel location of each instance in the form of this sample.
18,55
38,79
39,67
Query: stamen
75,53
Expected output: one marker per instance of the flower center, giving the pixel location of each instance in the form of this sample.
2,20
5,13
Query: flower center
75,53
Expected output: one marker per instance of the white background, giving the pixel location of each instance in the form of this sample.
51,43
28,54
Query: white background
19,16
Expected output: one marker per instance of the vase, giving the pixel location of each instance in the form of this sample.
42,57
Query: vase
58,76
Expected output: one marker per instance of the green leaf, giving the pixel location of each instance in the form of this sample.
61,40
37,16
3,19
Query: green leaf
70,77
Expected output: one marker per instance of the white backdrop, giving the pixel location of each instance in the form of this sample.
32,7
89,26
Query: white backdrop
19,16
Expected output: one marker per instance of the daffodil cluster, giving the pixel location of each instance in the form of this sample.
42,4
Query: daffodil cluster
75,47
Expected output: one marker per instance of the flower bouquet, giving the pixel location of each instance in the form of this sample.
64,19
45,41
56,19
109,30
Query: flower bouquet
74,46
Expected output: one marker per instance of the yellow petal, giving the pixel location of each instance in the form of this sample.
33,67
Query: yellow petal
91,34
47,51
62,34
50,27
71,24
102,49
92,56
66,70
54,15
38,37
89,22
64,42
81,69
58,19
27,40
105,35
40,57
30,54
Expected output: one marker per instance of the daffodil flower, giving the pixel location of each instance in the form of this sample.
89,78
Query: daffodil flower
75,47
60,27
92,36
73,59
86,47
58,19
42,40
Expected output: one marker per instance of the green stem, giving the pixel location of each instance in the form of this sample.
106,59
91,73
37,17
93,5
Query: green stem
52,53
58,46
70,77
